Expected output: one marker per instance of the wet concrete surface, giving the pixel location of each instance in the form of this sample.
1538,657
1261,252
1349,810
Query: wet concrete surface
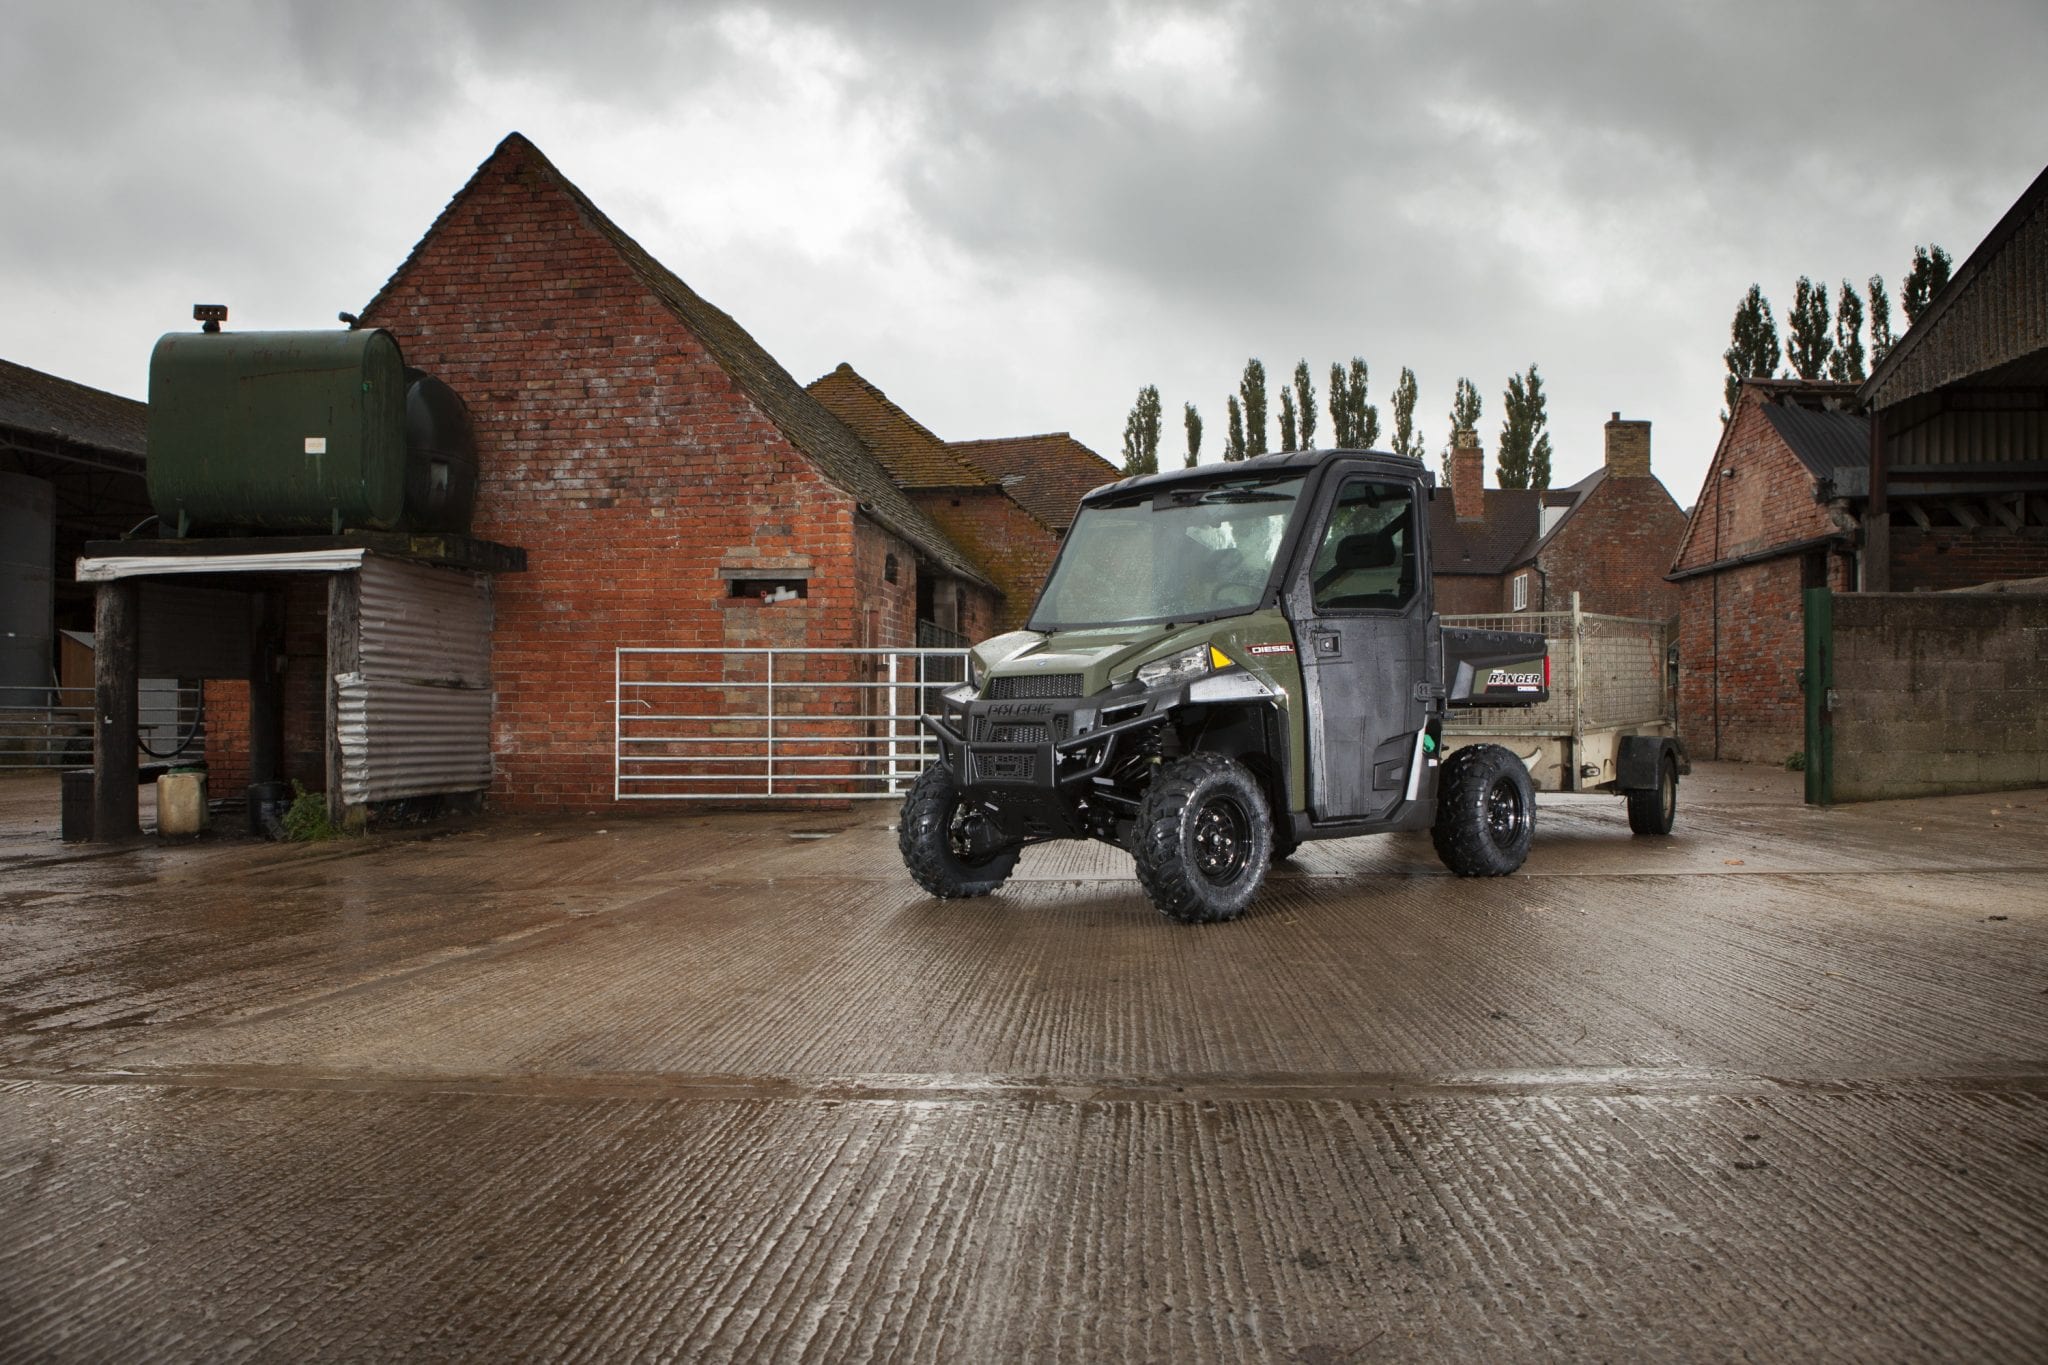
730,1087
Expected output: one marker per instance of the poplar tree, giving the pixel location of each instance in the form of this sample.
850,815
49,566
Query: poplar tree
1192,420
1881,338
1287,441
1464,413
1524,458
1930,272
1141,434
1753,351
1406,442
1846,364
1305,404
1340,409
1252,388
1233,449
1809,344
1365,418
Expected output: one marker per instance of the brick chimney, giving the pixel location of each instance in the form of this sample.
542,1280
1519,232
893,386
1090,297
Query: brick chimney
1468,476
1628,448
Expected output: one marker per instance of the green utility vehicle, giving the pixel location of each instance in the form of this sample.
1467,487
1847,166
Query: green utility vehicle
1225,662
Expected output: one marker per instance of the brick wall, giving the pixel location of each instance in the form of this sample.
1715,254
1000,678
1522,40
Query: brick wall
1939,559
635,473
304,757
1937,694
1614,551
1739,696
1469,594
1011,546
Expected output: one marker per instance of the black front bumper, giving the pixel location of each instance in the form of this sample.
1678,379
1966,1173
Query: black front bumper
1037,764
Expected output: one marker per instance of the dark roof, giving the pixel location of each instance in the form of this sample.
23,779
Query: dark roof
907,449
836,451
1048,474
1991,316
1513,517
43,405
1826,440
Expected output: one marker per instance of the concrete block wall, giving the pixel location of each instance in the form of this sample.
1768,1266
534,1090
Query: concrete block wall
1939,693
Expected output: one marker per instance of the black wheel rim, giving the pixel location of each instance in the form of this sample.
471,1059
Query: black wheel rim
1505,814
1223,840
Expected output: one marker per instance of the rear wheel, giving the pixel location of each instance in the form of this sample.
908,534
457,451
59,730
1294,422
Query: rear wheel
1653,810
1202,840
1485,812
949,844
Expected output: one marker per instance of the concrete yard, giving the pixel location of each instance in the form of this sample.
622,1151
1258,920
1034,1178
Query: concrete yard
729,1087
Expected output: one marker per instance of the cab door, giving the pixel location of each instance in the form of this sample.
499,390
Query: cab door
1360,603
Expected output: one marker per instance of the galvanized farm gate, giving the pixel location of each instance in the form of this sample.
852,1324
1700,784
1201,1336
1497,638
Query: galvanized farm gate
770,724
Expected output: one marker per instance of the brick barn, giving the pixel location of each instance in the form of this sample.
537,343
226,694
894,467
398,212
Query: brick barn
1609,537
671,484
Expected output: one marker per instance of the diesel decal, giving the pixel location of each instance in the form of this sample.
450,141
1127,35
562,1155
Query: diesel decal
1272,649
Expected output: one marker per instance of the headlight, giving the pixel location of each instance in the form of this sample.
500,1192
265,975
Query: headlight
1176,668
976,674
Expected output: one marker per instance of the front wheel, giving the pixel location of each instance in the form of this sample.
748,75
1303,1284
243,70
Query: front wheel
1652,811
1485,812
1202,839
948,844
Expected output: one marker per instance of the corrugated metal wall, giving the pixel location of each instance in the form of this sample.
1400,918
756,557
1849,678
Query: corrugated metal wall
1964,437
416,719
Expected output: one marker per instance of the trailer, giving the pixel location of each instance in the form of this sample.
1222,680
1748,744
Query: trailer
1611,721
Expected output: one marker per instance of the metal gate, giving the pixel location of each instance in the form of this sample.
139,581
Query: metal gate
51,727
773,724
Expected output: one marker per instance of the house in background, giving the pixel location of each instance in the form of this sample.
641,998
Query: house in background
1609,537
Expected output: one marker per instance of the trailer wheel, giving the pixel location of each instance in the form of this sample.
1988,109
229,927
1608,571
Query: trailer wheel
948,844
1485,812
1652,810
1202,840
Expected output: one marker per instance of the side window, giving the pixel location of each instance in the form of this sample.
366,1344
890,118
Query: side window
1366,560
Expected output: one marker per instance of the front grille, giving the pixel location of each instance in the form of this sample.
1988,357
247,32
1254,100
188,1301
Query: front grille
1035,686
990,731
1005,767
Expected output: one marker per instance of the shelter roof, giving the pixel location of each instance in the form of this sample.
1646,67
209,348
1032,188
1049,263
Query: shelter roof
836,452
1989,325
44,405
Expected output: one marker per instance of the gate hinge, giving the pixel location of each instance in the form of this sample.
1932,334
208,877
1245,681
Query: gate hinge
1429,691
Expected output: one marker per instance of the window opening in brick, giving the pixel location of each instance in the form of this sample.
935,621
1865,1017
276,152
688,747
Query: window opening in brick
769,589
888,568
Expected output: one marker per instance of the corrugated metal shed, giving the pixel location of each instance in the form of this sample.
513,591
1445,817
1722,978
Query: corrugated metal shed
416,719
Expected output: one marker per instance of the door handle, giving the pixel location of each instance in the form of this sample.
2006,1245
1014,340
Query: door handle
1328,644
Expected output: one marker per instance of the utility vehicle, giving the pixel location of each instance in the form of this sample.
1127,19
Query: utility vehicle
1227,661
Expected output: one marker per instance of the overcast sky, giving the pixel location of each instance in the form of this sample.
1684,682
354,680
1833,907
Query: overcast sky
1011,216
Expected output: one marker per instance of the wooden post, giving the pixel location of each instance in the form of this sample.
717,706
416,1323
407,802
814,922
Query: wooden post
1877,515
266,686
117,661
344,656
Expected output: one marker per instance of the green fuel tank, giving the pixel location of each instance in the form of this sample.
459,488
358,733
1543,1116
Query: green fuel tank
304,432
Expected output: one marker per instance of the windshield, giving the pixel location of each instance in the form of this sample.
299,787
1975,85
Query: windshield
1174,554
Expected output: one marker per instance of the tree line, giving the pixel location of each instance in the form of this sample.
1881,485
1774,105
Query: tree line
1524,451
1813,348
